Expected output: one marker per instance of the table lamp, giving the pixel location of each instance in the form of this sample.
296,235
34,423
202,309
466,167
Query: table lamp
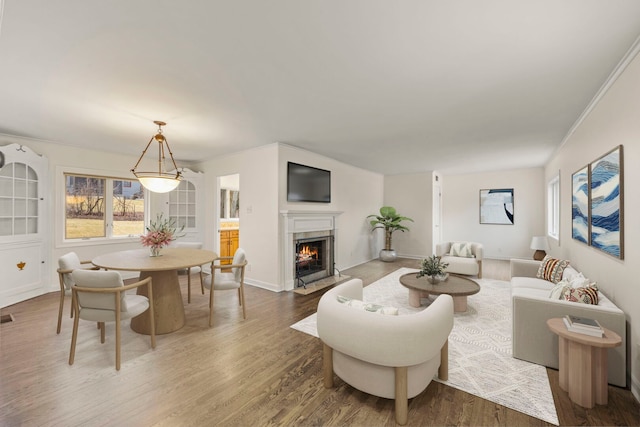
540,245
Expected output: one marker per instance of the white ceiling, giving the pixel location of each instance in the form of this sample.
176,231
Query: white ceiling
390,86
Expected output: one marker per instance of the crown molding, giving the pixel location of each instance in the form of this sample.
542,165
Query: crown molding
613,77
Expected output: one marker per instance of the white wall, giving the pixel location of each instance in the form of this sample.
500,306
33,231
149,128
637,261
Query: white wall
461,211
612,122
412,196
354,191
258,170
263,184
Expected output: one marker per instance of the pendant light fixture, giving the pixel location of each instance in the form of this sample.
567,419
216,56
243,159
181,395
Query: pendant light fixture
159,181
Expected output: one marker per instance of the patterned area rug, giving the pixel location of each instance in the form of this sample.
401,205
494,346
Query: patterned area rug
480,359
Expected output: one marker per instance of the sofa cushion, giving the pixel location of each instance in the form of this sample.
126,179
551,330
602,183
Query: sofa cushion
531,283
367,306
461,265
551,269
587,295
461,249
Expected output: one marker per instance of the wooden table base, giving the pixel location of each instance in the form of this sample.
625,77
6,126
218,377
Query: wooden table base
167,303
582,363
583,372
459,302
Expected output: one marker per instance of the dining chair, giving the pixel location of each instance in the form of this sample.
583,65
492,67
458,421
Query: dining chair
66,264
100,296
222,281
191,270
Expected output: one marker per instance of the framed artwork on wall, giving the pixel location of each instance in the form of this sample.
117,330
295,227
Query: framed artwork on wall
607,203
580,205
496,206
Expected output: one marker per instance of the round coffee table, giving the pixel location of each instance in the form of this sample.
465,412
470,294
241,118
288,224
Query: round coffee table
458,287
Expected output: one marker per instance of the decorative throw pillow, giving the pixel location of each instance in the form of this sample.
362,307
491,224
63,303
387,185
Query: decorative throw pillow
461,250
569,273
579,281
588,295
557,292
551,269
367,306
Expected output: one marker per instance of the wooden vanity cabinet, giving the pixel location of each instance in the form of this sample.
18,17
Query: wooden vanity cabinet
229,240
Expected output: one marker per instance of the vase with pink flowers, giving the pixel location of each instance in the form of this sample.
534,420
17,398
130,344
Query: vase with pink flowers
160,233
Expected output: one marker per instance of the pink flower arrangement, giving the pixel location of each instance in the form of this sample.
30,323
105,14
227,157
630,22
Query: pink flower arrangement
160,233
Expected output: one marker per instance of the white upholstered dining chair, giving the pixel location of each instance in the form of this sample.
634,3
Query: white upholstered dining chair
66,264
191,270
99,296
220,281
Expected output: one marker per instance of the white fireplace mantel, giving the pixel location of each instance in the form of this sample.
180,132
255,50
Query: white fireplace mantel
297,221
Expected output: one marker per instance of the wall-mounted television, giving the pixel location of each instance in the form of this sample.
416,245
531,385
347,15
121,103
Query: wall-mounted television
308,184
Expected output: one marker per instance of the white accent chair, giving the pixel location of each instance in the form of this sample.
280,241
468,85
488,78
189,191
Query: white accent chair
66,264
191,270
222,281
471,266
99,296
393,357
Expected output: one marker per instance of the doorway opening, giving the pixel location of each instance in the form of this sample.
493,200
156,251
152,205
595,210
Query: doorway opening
228,219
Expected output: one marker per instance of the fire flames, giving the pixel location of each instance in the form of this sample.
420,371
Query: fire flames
307,252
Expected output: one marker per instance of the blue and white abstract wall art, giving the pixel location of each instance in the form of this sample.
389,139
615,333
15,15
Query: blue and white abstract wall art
606,184
580,205
496,206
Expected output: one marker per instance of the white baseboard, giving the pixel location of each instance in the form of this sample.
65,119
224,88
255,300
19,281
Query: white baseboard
263,285
635,388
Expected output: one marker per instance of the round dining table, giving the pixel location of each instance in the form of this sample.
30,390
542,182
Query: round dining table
163,270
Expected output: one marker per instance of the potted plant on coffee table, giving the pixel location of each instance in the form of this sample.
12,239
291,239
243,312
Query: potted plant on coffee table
390,221
433,268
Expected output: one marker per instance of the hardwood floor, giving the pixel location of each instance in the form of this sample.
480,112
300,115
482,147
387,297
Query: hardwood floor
248,373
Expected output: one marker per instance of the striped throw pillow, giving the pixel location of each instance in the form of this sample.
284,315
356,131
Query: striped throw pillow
551,269
588,295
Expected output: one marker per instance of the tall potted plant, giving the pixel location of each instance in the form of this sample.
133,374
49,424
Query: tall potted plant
390,221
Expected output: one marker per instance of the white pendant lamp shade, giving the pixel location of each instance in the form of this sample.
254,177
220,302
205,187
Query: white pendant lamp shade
158,184
159,181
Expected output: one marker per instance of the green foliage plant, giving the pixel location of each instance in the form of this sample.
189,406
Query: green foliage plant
432,267
390,221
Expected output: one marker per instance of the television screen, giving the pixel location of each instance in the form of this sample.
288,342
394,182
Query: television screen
308,184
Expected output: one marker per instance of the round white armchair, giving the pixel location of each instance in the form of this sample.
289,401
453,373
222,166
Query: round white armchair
389,356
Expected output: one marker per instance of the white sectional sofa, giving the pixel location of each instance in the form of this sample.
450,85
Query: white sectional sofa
534,342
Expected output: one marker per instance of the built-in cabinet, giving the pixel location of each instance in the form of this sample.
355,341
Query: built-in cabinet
23,223
229,242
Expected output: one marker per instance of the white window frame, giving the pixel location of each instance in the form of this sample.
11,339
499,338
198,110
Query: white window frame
61,240
553,207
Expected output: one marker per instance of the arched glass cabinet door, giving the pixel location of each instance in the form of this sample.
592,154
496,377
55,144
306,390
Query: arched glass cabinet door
19,199
23,224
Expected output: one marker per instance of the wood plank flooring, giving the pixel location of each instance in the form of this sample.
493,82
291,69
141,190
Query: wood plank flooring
253,372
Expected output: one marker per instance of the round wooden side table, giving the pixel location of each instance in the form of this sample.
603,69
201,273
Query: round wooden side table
583,363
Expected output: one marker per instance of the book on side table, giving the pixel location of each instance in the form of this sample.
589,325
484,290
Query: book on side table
583,325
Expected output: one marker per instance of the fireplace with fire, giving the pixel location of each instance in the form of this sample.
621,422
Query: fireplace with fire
314,259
